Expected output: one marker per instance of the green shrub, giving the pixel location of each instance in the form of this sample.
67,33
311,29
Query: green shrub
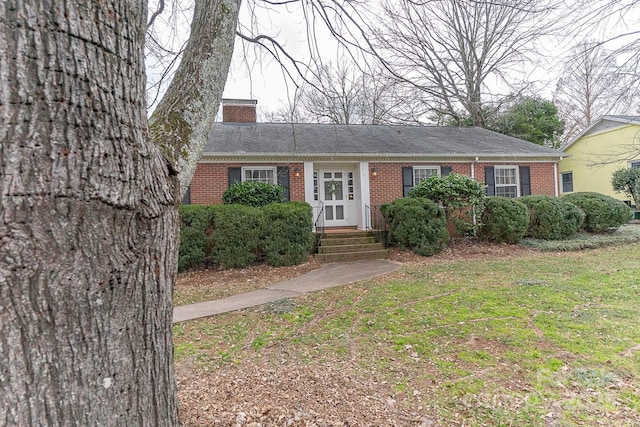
627,181
417,224
551,218
504,220
603,213
573,218
196,223
236,235
252,193
191,253
288,237
460,196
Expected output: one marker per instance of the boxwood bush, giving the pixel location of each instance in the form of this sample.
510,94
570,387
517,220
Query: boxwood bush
602,212
504,220
417,224
196,223
253,193
236,236
288,237
551,218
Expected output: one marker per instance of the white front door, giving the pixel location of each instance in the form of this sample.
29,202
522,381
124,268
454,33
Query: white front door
333,191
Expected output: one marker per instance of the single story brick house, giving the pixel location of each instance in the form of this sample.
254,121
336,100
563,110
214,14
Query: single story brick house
347,169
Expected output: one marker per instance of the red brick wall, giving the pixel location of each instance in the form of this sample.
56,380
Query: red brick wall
239,113
386,186
208,184
211,180
296,183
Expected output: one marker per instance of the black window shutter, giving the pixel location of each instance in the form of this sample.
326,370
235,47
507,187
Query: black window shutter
186,199
446,170
407,180
489,180
525,181
235,175
283,180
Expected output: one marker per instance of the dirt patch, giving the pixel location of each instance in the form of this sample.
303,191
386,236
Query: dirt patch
261,394
463,249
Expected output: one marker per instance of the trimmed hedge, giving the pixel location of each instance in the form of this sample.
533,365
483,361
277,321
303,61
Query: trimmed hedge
237,235
417,224
602,212
253,193
504,220
288,237
196,223
551,218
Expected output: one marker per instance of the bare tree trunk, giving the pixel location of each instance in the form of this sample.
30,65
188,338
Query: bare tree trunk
182,122
88,220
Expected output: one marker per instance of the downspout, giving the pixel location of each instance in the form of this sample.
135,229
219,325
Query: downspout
473,176
555,177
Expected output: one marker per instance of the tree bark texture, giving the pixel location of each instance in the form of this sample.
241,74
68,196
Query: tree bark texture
182,122
88,226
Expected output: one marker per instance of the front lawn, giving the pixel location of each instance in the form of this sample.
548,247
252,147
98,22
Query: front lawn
534,339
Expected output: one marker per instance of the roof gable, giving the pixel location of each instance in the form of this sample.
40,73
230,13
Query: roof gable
603,124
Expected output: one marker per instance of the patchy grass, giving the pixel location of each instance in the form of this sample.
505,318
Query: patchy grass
626,234
545,339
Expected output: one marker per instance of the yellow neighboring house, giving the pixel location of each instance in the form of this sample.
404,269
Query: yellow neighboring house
608,144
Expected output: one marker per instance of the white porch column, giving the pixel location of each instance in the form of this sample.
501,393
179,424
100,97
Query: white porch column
308,189
308,184
365,195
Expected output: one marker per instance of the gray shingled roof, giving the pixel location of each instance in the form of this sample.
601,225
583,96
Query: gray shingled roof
306,140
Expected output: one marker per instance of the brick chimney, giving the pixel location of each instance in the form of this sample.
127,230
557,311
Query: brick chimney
239,110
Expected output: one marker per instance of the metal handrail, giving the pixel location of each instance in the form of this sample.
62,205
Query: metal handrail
319,225
376,223
367,217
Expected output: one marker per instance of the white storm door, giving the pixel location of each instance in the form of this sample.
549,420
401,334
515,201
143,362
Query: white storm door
333,193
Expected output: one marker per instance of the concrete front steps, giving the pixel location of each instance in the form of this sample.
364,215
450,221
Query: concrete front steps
350,246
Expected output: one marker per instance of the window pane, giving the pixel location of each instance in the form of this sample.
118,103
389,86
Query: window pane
505,176
422,174
333,190
259,175
635,165
507,191
567,182
339,212
328,213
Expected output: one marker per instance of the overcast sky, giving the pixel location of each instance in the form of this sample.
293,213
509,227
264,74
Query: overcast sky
258,76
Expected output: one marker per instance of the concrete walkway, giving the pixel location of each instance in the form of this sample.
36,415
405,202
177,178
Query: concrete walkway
327,276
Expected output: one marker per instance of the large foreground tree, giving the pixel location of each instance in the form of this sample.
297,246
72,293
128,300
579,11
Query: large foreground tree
89,196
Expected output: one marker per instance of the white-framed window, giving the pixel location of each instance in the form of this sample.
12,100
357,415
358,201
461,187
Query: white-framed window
260,174
506,181
567,182
634,164
422,173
